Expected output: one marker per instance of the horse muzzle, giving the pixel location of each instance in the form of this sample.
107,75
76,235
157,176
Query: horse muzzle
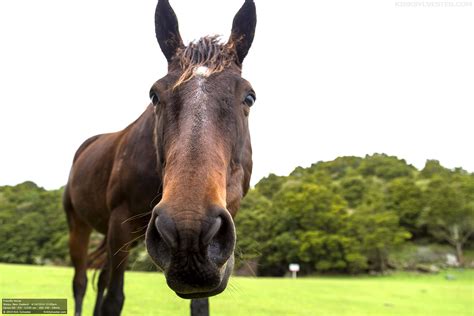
195,250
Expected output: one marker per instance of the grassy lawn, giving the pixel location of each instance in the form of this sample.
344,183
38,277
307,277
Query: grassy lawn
147,293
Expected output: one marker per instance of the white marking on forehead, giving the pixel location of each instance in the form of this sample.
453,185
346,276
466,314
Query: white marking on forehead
202,71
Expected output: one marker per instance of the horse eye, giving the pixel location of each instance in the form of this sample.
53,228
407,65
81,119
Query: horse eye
250,99
155,99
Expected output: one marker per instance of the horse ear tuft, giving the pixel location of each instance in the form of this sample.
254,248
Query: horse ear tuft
243,29
167,30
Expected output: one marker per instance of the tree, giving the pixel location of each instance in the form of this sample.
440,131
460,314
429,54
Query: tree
433,168
251,224
352,189
405,198
449,210
335,169
378,233
32,225
385,167
304,226
270,185
375,227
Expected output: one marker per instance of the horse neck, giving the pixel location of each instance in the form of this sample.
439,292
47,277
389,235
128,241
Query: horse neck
140,175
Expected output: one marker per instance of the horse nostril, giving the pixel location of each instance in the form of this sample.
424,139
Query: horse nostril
220,239
167,230
206,239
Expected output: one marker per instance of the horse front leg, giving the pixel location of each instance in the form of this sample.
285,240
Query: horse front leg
119,237
199,307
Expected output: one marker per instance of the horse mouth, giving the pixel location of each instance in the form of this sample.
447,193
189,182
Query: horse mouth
197,295
196,292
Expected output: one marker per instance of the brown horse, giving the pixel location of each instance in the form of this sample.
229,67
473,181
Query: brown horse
190,151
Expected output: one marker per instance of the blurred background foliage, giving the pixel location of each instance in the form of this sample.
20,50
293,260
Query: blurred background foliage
346,216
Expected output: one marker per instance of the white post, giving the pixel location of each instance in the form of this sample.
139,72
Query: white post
294,268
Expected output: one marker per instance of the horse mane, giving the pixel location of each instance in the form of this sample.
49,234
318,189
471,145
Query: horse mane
208,52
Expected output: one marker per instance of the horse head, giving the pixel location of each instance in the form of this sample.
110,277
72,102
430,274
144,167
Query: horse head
204,153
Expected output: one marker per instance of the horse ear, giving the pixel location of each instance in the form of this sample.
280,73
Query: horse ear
166,29
243,29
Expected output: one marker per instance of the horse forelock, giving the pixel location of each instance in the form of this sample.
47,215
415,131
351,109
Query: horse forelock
204,57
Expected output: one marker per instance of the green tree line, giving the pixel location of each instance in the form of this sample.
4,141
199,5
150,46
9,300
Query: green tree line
349,214
342,216
33,225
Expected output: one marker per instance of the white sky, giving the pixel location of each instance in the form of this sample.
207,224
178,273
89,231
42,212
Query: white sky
332,78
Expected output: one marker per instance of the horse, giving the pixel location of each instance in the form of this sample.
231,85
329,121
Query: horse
174,177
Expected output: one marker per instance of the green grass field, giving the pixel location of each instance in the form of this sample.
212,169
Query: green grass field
147,293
